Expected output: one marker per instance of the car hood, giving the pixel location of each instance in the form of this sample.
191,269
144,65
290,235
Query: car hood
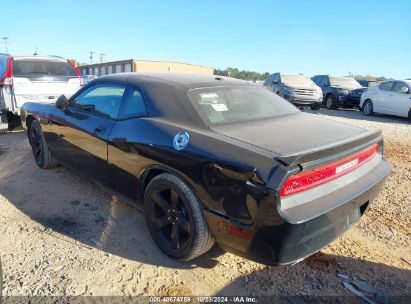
304,87
361,90
348,89
293,135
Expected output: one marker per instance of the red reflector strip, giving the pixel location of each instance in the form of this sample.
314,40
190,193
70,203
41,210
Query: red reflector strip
315,177
6,79
244,234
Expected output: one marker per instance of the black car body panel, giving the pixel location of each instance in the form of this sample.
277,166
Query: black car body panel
236,170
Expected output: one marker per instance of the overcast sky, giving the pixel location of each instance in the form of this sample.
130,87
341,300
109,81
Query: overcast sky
311,37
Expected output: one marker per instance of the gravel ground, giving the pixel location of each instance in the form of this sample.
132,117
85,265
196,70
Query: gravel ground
62,235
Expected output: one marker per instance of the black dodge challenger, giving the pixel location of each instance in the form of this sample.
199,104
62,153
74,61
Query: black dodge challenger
214,159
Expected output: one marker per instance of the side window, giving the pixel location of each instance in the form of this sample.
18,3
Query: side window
386,86
269,80
398,85
102,99
324,81
133,105
315,79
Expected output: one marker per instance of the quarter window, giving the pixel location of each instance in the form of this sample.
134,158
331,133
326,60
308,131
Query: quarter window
133,105
324,81
101,99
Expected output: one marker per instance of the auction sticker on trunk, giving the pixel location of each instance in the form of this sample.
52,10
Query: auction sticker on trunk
346,166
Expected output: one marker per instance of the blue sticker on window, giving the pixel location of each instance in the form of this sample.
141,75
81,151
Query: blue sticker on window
181,140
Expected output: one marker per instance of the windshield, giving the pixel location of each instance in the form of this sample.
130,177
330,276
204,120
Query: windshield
220,105
42,68
344,82
297,80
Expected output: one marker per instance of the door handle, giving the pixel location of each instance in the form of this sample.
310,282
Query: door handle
99,130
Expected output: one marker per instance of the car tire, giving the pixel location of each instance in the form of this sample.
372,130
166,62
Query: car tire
368,108
4,122
41,152
175,219
315,107
331,102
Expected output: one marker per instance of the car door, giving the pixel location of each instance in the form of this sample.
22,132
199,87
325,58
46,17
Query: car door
400,101
383,98
126,148
81,130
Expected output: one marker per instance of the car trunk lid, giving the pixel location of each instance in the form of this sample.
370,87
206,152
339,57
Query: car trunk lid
299,138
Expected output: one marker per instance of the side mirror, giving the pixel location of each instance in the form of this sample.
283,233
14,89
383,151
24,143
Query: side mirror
404,90
61,102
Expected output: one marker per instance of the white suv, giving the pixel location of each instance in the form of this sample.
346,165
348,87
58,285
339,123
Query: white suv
34,78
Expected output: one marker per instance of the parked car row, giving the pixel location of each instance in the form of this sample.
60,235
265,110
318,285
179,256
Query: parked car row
33,78
332,91
389,97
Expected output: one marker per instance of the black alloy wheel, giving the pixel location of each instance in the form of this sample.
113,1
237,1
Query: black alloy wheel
174,217
37,145
170,219
41,152
315,107
331,102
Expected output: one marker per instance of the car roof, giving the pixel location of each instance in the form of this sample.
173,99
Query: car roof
35,57
166,93
189,80
296,74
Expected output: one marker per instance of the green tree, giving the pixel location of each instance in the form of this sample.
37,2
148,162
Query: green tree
243,74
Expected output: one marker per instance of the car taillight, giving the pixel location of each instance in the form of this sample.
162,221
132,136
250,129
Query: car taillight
7,79
326,173
78,72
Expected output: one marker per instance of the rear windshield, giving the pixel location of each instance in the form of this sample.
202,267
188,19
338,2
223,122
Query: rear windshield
297,80
345,82
42,68
233,104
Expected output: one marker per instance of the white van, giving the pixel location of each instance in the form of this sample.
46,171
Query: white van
34,78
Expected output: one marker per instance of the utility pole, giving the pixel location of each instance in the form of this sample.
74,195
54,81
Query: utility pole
91,57
102,57
5,42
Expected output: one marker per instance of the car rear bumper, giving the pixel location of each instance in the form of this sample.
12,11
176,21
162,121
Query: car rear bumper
282,242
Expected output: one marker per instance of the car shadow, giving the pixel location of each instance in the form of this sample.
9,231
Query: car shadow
357,115
317,277
77,211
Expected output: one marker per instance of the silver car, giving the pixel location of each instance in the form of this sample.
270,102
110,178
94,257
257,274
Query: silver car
297,89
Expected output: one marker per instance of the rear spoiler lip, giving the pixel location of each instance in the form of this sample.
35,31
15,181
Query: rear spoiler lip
367,137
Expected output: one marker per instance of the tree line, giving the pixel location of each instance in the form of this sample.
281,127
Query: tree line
243,74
